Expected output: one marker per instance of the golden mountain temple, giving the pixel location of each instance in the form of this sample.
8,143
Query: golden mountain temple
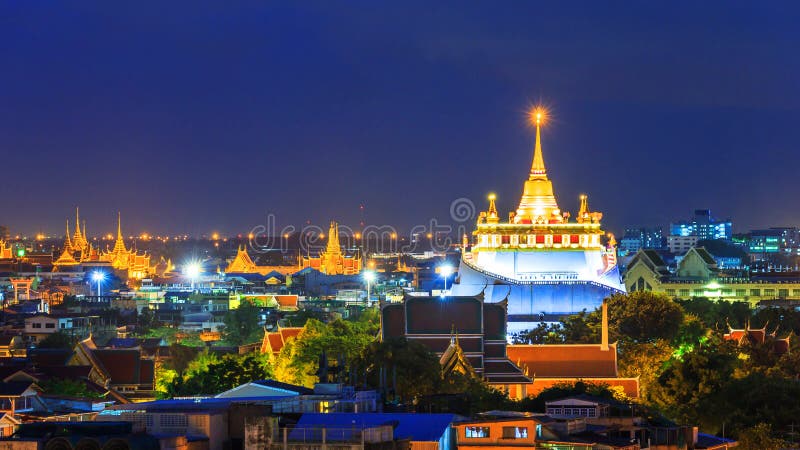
539,259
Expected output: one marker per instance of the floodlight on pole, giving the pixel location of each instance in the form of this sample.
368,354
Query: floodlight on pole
369,277
445,271
98,277
192,270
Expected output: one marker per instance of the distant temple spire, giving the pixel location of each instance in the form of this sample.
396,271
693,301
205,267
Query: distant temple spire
537,167
119,245
67,242
333,247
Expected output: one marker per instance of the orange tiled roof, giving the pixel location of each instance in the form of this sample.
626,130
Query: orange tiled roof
571,361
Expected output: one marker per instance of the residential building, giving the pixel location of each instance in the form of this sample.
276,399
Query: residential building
702,225
635,239
679,245
697,275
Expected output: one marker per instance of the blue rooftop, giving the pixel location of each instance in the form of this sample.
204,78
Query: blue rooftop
417,427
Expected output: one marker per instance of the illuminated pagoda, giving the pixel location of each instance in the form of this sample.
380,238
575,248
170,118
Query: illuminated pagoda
243,264
540,260
333,261
79,251
121,258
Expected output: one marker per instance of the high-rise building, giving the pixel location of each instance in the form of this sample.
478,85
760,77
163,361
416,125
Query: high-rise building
638,238
702,225
774,240
540,261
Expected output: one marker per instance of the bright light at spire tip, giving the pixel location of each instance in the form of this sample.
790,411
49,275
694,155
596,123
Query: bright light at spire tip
538,115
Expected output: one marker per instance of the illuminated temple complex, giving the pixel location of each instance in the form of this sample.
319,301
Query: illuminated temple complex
539,260
333,261
79,251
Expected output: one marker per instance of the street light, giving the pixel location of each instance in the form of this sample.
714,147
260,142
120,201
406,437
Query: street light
369,277
98,277
445,271
192,270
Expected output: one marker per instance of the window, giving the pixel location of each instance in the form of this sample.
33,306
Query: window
37,325
538,430
755,292
671,292
63,326
476,432
515,432
741,292
49,325
684,293
769,292
796,292
173,421
783,293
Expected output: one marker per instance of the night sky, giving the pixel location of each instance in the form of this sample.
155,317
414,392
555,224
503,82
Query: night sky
192,116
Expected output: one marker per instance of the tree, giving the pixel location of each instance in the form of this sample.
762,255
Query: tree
68,387
57,340
209,375
544,333
242,324
341,341
645,361
643,316
689,389
415,370
146,321
759,437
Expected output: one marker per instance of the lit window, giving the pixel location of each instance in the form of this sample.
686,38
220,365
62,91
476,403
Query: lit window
476,432
515,432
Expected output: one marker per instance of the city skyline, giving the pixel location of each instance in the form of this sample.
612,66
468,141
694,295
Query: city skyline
198,120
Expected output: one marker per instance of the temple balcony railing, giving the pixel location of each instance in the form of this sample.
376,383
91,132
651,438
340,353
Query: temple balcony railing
515,281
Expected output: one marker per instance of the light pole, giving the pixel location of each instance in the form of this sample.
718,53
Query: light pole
192,270
369,277
445,271
98,277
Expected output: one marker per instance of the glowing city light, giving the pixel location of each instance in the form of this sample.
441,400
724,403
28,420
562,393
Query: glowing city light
192,270
538,115
98,277
446,270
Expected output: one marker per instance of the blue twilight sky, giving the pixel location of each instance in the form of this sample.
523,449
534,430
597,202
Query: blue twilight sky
192,116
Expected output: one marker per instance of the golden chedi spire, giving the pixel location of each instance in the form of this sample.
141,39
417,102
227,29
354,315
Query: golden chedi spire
119,245
78,241
67,242
538,203
491,215
333,247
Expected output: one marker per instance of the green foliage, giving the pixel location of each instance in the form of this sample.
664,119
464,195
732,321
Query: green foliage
242,324
645,361
341,341
209,374
562,390
759,437
146,321
180,356
643,316
688,390
300,317
416,370
57,340
68,387
715,314
544,333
